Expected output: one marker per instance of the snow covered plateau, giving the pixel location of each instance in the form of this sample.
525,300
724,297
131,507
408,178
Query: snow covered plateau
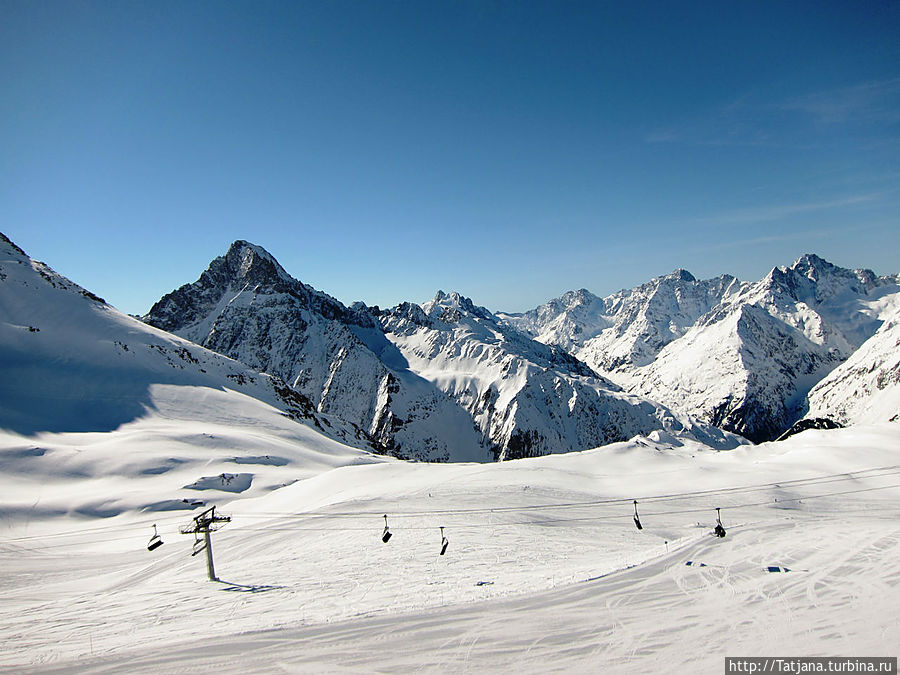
297,417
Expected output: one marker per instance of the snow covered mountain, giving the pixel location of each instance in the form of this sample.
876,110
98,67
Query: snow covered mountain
526,398
111,430
866,387
445,381
741,356
73,363
247,307
89,396
628,328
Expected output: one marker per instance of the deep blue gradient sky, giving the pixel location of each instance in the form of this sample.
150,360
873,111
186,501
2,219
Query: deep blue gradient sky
508,150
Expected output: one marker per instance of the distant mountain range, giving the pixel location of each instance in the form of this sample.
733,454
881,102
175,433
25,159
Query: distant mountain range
715,361
446,381
742,356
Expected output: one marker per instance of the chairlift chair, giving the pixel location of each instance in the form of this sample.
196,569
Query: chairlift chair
386,534
199,545
155,541
719,531
444,542
637,520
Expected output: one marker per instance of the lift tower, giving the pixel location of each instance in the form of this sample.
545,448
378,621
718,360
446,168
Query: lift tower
205,523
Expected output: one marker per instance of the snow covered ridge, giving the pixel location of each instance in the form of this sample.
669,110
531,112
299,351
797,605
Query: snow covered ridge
742,356
72,363
446,381
866,387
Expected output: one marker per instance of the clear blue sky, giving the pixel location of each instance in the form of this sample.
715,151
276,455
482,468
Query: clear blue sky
508,150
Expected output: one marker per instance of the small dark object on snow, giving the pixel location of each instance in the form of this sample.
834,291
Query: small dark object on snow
155,540
719,531
444,542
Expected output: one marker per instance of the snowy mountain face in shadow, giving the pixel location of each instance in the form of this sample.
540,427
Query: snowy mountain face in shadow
446,381
741,356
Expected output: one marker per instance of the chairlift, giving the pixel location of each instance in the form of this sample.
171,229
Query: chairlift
387,533
719,531
155,541
444,542
199,545
637,520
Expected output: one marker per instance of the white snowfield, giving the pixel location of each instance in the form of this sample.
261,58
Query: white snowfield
109,427
545,570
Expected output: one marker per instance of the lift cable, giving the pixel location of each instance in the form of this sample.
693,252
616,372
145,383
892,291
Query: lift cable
657,499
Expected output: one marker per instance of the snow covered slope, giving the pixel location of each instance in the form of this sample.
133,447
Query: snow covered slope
72,363
247,307
866,387
102,416
526,398
741,356
544,571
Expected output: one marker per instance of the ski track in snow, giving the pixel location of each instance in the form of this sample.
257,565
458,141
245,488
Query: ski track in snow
358,613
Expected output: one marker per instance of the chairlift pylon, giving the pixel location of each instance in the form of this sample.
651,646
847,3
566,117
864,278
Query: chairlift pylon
719,531
387,533
444,542
637,520
155,541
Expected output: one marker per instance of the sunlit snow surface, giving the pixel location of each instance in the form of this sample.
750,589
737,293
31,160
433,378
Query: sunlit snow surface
538,576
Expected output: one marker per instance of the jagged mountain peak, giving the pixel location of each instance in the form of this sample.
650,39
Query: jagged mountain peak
250,262
811,263
245,271
453,306
574,299
8,243
680,275
812,279
581,295
77,364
